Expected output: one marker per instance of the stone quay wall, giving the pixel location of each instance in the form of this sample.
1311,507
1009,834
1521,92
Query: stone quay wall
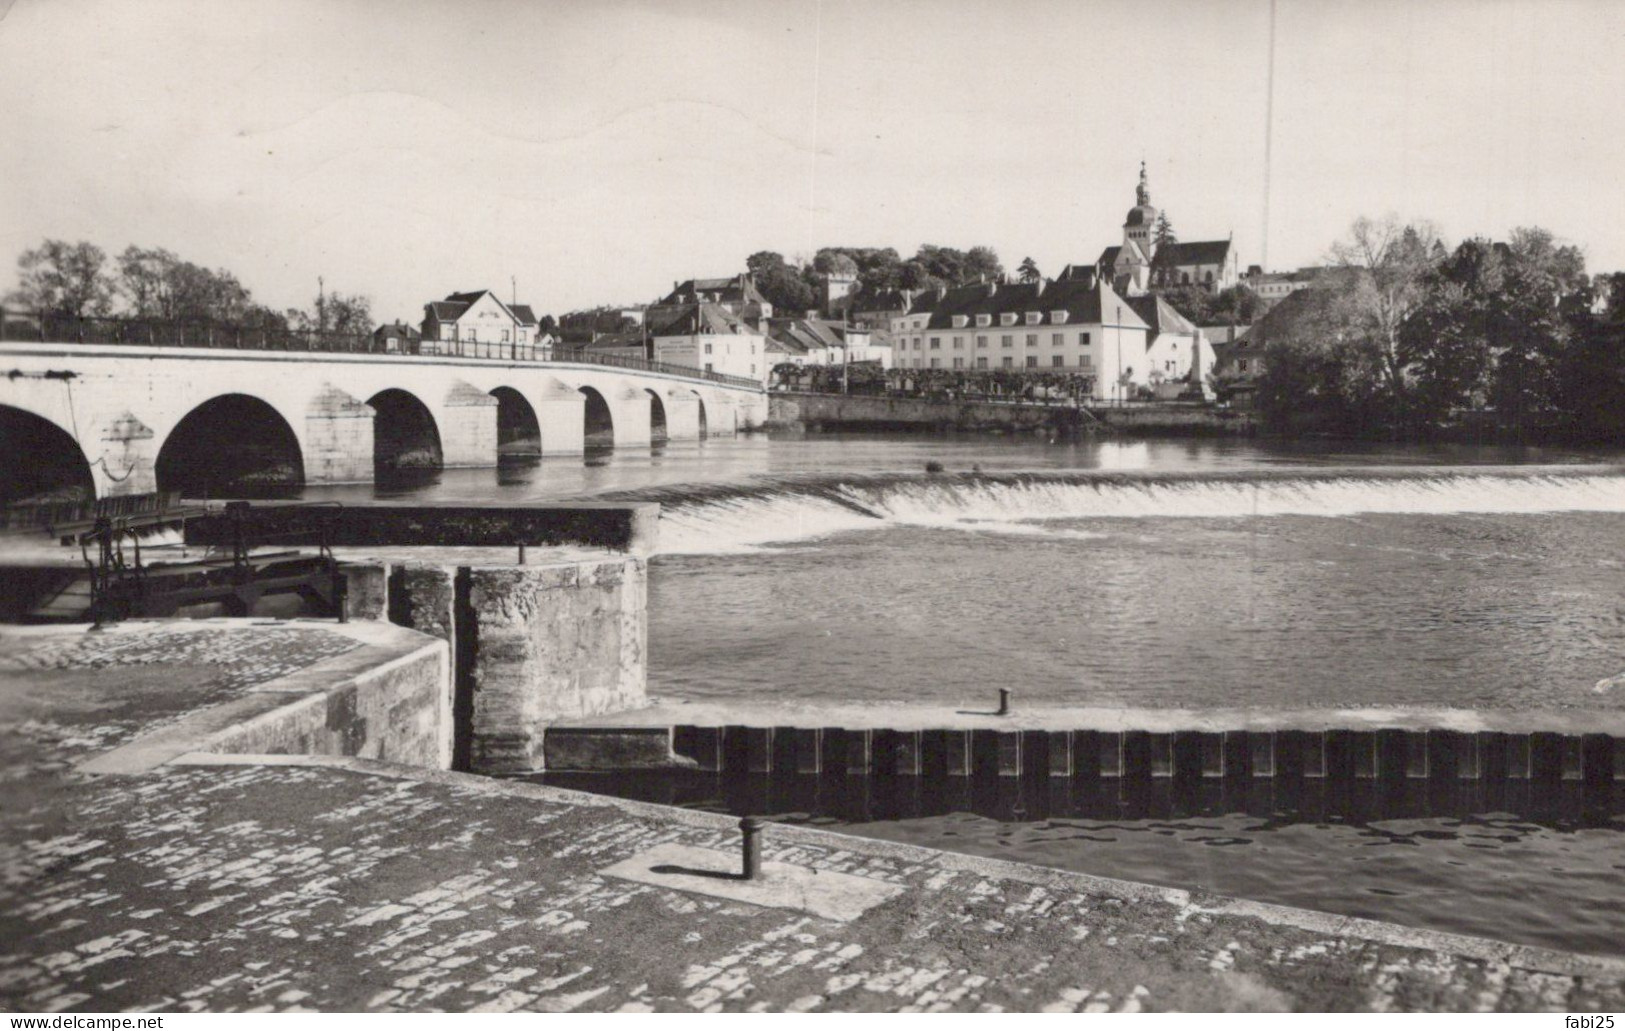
908,414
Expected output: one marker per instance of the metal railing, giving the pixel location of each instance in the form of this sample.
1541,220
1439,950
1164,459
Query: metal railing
28,327
647,365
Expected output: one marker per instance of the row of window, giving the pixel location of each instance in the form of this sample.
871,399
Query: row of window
451,333
1008,362
1006,340
1008,318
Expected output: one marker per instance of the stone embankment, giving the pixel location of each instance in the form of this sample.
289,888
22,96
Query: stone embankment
256,814
856,412
209,881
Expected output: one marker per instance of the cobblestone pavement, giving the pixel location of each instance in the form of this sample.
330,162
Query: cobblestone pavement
315,887
68,692
341,885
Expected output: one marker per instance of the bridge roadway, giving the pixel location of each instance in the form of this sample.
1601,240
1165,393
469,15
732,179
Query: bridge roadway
149,418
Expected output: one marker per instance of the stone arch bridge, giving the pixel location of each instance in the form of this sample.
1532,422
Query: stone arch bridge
128,419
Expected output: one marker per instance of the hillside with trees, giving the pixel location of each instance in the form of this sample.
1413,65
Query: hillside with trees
796,286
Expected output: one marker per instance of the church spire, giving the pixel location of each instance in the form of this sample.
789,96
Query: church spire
1142,193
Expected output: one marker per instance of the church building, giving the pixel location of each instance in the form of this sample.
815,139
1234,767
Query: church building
1141,263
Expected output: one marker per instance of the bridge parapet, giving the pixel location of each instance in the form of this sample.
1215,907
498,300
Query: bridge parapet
27,327
134,418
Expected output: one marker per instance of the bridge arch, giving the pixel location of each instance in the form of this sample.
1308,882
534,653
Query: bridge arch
699,403
404,434
598,425
232,445
519,432
659,433
44,462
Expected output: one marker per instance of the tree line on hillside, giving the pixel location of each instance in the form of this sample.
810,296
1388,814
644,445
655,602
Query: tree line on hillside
1404,337
796,286
62,280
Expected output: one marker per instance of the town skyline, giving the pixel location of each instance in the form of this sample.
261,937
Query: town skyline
261,144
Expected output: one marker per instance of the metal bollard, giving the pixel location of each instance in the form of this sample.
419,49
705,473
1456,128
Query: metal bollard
521,554
1004,702
750,828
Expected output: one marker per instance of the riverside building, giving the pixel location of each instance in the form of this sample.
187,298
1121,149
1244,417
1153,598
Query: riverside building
713,338
1075,324
478,324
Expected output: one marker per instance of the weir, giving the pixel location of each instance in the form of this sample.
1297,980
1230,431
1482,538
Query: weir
705,518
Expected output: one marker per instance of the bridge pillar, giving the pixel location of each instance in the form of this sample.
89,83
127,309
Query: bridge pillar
561,412
337,442
468,427
629,406
752,411
721,415
127,463
682,414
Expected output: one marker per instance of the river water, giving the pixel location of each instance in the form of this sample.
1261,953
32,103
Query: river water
1156,573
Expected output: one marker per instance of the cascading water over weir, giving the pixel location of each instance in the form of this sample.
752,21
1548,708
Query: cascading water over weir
933,741
783,509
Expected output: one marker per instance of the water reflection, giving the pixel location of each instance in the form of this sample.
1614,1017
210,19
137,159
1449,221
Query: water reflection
1517,861
1272,802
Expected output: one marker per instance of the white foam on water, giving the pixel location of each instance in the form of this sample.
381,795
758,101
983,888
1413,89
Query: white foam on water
792,512
743,525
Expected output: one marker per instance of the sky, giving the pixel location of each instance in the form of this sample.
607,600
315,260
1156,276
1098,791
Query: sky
598,152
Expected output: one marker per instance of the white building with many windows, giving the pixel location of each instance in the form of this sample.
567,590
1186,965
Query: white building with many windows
712,338
1076,324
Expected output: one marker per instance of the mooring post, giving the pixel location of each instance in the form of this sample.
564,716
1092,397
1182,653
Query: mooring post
750,829
521,554
1004,702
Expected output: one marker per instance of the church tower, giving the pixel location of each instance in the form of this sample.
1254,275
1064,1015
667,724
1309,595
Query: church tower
1142,219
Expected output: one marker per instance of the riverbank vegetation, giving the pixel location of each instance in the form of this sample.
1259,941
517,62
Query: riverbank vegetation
1404,338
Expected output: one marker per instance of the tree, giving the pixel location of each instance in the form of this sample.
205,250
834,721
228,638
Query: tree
914,275
1446,345
834,261
1531,332
789,289
955,267
1163,233
63,279
1380,274
333,312
1234,305
1592,380
1163,252
982,262
157,284
144,281
1028,271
